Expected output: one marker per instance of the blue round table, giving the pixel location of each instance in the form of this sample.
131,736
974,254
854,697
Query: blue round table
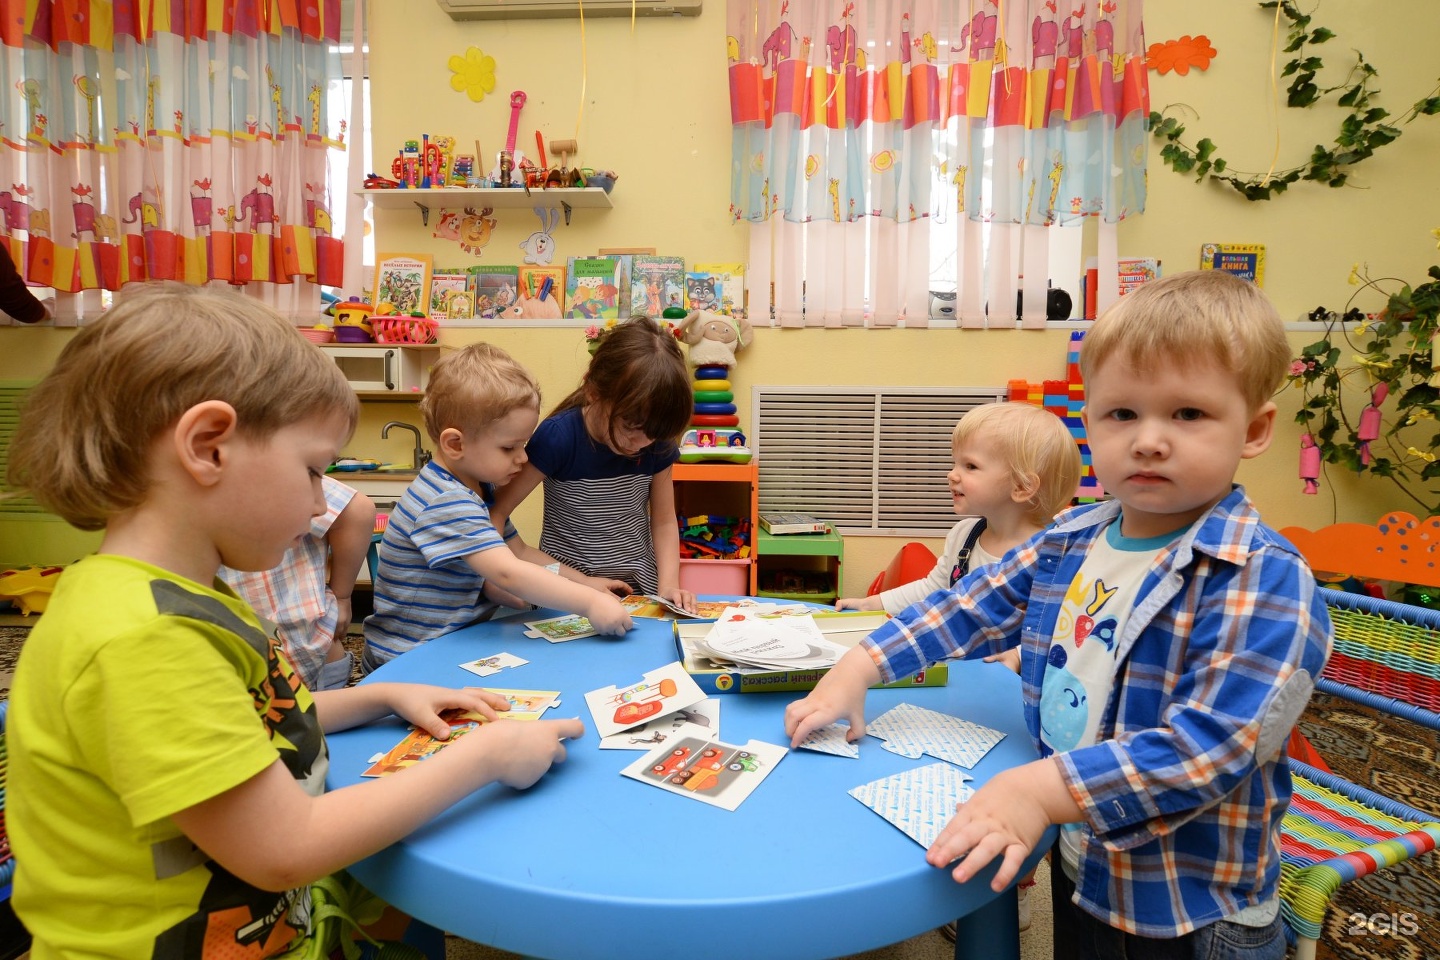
590,864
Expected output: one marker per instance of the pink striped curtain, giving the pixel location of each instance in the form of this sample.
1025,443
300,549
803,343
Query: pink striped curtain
183,140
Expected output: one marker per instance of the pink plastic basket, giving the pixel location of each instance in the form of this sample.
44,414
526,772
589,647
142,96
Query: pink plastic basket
317,336
404,329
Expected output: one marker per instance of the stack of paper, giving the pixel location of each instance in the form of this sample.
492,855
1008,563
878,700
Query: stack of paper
747,643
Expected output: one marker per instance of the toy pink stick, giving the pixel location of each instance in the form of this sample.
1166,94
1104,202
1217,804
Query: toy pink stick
507,159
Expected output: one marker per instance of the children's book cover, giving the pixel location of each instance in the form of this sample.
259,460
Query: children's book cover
720,774
656,283
1135,271
661,691
494,287
1245,260
717,287
592,288
445,287
532,277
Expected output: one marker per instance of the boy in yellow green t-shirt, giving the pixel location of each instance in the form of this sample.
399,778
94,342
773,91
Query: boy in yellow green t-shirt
167,767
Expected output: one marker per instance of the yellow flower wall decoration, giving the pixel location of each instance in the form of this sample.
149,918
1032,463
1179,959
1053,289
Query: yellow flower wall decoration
474,74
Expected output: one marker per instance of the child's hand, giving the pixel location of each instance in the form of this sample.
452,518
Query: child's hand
520,753
422,704
605,585
608,616
1010,658
1006,817
682,598
840,695
859,603
343,615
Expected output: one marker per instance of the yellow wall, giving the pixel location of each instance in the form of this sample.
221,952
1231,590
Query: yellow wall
654,107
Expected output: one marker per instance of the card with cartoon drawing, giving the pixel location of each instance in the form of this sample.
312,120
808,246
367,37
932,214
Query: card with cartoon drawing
720,774
661,691
697,720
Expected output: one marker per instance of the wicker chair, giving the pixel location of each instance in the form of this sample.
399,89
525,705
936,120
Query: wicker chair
1386,656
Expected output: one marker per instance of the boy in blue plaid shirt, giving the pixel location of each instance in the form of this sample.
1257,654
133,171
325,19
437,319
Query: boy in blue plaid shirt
1169,642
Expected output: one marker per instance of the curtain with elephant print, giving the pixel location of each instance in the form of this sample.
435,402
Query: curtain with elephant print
180,140
860,127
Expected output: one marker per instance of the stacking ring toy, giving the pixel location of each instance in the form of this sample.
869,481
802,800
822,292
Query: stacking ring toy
699,385
714,420
712,371
720,408
714,396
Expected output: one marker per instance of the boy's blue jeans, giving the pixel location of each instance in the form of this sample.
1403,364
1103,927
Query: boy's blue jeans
1079,936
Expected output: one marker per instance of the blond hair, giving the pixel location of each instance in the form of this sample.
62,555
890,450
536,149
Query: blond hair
1037,448
82,447
473,387
1204,314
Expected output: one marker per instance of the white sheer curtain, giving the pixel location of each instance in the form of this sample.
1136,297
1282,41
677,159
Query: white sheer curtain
884,148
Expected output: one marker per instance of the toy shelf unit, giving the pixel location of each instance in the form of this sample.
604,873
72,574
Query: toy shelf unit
718,490
565,198
799,566
385,371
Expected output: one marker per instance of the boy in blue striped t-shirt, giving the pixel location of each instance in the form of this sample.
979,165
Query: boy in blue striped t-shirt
443,565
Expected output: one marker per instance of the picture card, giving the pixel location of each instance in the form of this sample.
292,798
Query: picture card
920,801
526,704
909,731
417,745
571,626
656,607
720,774
489,666
661,691
831,740
697,720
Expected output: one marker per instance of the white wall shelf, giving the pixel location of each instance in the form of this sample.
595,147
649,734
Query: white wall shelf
566,198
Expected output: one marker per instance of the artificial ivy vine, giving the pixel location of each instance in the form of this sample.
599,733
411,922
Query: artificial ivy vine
1362,131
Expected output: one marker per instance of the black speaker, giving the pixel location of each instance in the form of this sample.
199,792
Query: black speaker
1057,304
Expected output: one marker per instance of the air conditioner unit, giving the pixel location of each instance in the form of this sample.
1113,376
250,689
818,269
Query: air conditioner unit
533,9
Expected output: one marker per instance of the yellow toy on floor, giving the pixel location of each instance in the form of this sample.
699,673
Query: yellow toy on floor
29,588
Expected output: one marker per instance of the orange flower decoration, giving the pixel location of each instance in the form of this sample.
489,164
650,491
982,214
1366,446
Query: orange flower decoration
1180,55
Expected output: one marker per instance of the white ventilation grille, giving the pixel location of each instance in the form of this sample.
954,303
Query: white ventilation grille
870,460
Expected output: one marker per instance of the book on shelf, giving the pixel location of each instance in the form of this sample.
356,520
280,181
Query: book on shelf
592,288
656,282
494,287
778,524
1245,260
446,285
1135,271
532,276
717,287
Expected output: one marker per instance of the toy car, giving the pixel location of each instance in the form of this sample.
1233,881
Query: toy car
377,182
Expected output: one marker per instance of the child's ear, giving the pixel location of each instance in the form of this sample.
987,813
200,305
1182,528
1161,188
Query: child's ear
200,436
451,443
1025,489
1259,431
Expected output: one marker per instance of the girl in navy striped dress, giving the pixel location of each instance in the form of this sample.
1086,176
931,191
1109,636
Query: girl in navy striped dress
605,455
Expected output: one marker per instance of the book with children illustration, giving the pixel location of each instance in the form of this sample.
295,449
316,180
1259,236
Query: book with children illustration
494,287
656,283
449,289
531,277
717,287
1245,260
592,288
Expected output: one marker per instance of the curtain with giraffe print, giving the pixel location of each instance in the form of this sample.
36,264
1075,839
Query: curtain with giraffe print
854,121
180,140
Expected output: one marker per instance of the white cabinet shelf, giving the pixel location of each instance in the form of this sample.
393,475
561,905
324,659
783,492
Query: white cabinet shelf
566,198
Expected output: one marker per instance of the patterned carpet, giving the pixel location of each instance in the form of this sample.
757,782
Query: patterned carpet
1393,915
